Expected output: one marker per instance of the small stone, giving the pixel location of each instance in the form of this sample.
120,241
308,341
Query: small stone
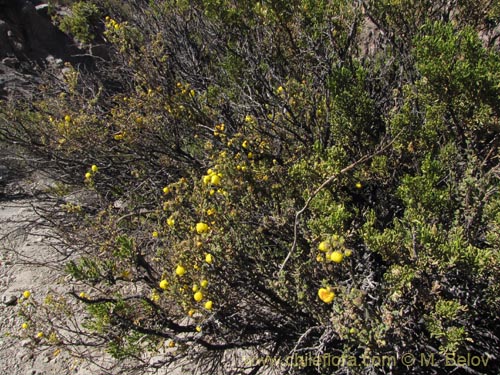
12,62
9,299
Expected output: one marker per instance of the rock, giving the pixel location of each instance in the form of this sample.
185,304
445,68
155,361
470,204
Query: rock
13,81
120,203
9,299
11,62
84,198
53,62
42,9
22,353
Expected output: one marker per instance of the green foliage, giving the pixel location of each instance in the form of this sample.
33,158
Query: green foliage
265,183
441,325
82,22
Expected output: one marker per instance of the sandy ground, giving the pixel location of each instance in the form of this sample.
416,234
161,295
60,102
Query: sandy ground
27,263
20,252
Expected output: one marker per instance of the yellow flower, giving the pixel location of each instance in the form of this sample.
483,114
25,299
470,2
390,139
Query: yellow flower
39,335
118,137
166,190
208,305
25,325
336,257
170,221
208,258
248,118
88,175
358,185
212,192
198,329
198,296
348,253
191,312
171,344
83,295
67,118
244,144
204,283
201,228
326,295
195,288
324,246
250,155
206,179
215,180
155,297
163,284
26,294
210,211
94,168
280,90
155,234
179,271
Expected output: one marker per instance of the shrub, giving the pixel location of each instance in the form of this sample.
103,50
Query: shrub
82,22
263,187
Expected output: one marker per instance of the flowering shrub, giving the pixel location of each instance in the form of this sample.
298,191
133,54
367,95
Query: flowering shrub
265,186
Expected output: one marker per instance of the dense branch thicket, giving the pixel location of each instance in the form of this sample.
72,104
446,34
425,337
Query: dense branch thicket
209,128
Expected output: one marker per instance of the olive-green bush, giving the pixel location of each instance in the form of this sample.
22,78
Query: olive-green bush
273,179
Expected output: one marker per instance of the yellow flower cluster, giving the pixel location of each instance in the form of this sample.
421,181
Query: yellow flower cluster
119,136
219,130
198,296
333,250
185,89
212,177
93,170
170,221
112,24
